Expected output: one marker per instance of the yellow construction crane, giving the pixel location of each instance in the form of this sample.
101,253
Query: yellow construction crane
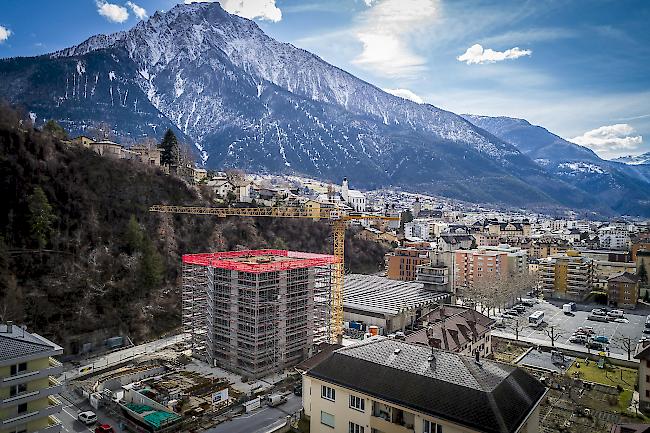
338,218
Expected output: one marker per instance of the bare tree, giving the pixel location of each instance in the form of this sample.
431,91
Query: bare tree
553,335
518,324
626,344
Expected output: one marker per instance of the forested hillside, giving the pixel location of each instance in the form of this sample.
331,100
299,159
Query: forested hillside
79,252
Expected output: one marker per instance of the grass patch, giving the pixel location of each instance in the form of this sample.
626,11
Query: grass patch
610,375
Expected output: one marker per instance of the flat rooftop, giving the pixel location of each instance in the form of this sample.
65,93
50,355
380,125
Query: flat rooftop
385,296
259,261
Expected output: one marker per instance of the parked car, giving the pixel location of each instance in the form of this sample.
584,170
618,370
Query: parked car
587,329
519,308
509,315
578,338
104,428
595,345
276,400
297,389
598,317
529,302
598,312
87,417
617,314
601,339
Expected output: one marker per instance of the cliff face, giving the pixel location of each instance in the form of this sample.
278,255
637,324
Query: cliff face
103,262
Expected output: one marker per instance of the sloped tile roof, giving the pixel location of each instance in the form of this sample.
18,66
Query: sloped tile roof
490,396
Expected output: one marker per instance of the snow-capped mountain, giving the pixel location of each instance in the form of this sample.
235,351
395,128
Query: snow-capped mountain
644,158
246,100
625,188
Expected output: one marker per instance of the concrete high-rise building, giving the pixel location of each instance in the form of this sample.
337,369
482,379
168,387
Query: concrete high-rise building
402,264
489,262
567,276
28,389
256,312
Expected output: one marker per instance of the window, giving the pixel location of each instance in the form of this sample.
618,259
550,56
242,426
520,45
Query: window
17,389
327,419
355,428
18,368
328,393
431,427
357,403
22,408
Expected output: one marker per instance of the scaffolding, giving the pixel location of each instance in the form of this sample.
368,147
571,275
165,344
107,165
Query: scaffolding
256,312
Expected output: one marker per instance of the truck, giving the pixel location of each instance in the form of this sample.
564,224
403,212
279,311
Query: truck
566,309
275,400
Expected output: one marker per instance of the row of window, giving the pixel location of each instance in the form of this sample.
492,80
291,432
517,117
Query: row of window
328,420
359,403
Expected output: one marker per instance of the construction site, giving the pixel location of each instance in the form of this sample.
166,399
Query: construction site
256,312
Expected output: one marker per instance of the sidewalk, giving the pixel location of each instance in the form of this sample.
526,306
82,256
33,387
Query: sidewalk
563,346
119,356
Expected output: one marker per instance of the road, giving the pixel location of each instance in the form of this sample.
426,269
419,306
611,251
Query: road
260,421
68,417
121,355
565,325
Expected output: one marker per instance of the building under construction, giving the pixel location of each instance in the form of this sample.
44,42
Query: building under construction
256,312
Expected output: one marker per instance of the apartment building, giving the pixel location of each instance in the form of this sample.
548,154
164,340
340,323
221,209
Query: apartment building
623,290
402,263
455,329
28,389
489,262
643,355
567,276
540,249
390,386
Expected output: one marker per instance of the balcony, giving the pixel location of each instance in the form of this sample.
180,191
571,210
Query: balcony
388,419
54,368
54,387
54,425
54,406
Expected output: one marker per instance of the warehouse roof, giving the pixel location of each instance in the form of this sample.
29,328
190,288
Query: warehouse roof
489,396
382,295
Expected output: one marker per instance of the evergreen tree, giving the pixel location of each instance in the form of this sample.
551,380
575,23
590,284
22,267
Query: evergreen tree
171,153
642,273
40,218
151,267
56,130
134,236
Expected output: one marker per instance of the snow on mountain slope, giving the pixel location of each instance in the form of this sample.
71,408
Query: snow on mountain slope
247,100
634,160
628,190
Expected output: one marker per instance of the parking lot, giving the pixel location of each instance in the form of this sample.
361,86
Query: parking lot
566,325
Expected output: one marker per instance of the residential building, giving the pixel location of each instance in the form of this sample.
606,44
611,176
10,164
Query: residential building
542,248
388,304
453,242
489,262
456,329
402,263
604,270
109,149
643,355
28,388
255,312
147,154
623,290
510,228
641,245
567,276
83,141
614,236
387,385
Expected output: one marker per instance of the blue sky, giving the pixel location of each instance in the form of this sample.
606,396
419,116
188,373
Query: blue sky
579,68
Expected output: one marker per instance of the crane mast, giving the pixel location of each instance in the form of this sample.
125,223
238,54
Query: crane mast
339,220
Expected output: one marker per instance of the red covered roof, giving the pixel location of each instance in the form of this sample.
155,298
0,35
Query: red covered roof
258,261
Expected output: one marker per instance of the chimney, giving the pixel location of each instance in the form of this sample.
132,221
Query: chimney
476,357
10,326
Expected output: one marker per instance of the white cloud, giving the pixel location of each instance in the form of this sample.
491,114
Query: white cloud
251,9
112,12
610,140
406,94
138,11
4,34
476,54
387,30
